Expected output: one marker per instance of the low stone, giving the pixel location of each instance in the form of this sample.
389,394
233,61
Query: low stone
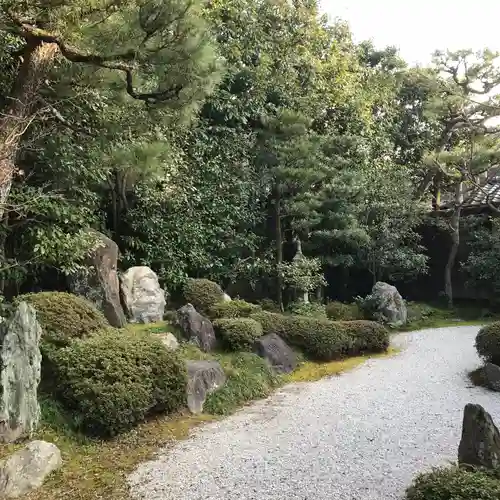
226,298
143,298
480,443
204,377
27,469
277,353
196,328
168,340
386,304
20,370
492,376
100,284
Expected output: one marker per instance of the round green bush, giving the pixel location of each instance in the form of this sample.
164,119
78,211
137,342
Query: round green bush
113,380
238,334
202,293
488,343
343,312
64,316
367,336
455,483
233,309
269,305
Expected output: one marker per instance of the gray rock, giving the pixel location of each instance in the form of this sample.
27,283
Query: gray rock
278,354
20,366
196,328
143,298
204,377
492,376
386,305
27,469
226,298
480,443
168,340
100,283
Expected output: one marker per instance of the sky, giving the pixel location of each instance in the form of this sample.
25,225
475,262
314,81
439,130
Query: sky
419,27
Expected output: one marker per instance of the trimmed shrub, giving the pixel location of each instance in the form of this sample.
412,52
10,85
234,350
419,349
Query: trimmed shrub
233,309
202,293
238,334
113,380
64,316
325,340
367,336
488,343
455,483
343,312
311,309
269,305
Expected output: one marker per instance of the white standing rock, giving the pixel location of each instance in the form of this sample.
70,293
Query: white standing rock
27,469
142,295
20,371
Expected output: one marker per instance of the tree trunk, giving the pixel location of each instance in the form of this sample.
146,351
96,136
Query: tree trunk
455,243
36,60
279,243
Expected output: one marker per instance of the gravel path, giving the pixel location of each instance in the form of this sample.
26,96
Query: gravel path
360,436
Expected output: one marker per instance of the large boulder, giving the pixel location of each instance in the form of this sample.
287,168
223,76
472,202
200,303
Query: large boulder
100,283
386,305
480,443
142,295
20,367
27,469
277,353
492,376
204,377
196,328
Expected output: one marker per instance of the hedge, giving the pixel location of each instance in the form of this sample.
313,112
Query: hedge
233,309
488,343
64,316
238,334
325,340
202,293
455,483
343,312
113,380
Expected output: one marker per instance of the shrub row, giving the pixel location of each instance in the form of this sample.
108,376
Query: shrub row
238,334
233,309
113,380
322,339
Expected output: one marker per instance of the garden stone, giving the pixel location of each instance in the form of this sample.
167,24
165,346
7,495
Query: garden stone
27,469
226,298
480,443
204,377
20,362
100,284
143,298
168,340
386,304
277,353
492,375
196,328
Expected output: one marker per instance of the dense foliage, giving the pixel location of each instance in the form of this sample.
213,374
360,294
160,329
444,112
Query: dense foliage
114,379
455,483
64,316
203,294
233,309
325,340
238,334
488,342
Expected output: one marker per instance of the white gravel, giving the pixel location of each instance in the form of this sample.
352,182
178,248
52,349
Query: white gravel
360,436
